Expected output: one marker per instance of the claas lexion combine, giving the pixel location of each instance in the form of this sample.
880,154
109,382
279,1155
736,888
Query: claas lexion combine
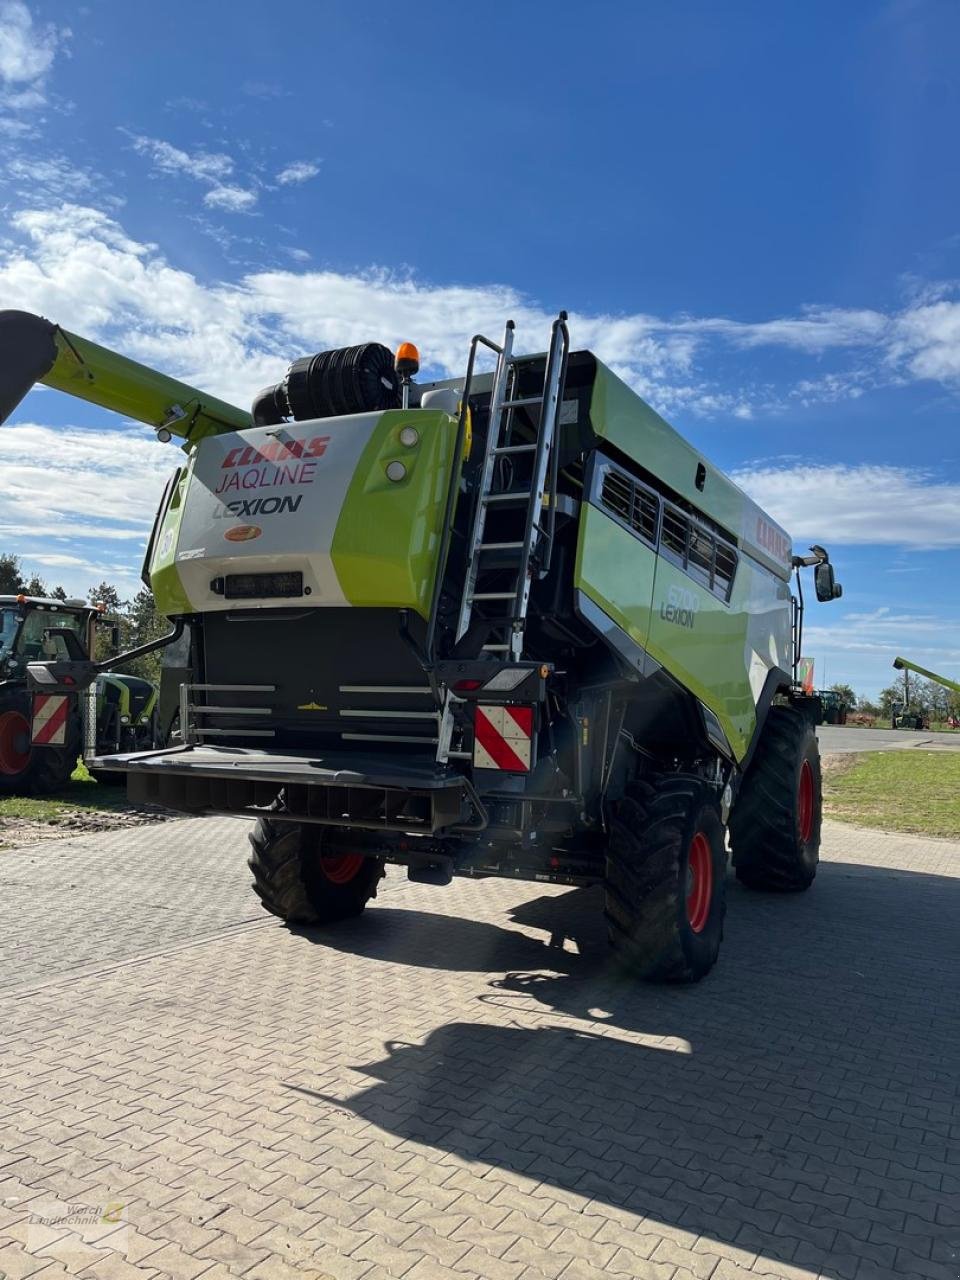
506,624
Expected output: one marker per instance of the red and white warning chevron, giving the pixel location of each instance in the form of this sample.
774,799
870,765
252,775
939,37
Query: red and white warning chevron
50,714
503,738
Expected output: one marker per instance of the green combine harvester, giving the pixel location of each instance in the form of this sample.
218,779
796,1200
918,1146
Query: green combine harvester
907,719
506,624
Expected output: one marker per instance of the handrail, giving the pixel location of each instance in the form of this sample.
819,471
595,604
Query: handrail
451,500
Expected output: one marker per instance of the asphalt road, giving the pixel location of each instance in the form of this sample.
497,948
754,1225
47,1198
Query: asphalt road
842,740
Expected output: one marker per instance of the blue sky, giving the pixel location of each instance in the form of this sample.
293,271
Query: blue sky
750,211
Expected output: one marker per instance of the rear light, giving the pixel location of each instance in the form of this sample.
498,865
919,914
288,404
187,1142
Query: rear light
466,686
507,679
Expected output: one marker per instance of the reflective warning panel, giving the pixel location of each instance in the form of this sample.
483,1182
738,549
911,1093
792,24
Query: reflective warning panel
503,738
50,714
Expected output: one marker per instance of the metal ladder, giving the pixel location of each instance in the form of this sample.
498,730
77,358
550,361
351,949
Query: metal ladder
527,551
518,555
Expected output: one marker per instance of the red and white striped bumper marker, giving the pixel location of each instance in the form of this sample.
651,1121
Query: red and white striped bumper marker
503,738
50,714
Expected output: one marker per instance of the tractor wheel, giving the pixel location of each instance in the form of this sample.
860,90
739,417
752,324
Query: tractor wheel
775,823
295,880
664,894
26,770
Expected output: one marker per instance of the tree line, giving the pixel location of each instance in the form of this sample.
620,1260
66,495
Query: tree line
137,618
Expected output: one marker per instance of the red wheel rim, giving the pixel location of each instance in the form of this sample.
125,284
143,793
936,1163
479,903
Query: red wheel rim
699,882
340,868
14,743
805,802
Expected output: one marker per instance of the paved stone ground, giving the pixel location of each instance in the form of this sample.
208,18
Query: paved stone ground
436,1092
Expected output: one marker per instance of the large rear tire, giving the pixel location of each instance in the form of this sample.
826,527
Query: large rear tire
664,893
26,770
295,881
775,823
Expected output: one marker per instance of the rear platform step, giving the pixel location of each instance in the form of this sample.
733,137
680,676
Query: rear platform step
369,792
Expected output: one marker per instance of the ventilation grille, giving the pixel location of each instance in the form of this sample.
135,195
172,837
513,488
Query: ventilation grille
631,503
700,551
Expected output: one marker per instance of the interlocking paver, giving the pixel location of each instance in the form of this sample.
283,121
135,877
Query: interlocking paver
434,1093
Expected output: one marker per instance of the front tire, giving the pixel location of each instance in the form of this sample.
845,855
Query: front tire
295,880
775,824
664,893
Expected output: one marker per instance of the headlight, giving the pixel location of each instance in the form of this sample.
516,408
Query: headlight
396,471
409,436
124,719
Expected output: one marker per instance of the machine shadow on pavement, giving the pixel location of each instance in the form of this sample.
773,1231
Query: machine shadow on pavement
794,1105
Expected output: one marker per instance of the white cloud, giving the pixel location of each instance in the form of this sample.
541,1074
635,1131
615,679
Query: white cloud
817,330
206,166
27,52
78,503
927,338
298,171
54,176
79,266
233,199
211,167
879,505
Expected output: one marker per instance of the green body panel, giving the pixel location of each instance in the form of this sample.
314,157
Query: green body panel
168,591
619,416
386,544
119,682
617,572
84,369
724,657
722,653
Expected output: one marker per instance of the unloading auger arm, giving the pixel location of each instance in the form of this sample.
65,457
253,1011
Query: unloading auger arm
33,349
903,664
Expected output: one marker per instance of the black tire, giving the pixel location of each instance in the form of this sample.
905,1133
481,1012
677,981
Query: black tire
775,823
26,770
664,893
293,880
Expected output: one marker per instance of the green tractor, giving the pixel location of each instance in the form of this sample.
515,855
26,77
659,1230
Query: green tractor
38,757
505,624
834,707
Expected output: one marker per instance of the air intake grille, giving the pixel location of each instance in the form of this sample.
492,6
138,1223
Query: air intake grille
631,503
701,552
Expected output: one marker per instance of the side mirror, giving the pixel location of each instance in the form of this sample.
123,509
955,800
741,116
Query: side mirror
825,582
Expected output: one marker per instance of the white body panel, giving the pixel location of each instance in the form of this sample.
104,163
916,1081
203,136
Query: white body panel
255,504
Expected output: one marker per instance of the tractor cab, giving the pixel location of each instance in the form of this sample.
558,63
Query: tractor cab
25,626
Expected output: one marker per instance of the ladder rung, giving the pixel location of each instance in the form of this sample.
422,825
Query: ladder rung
515,448
518,404
492,595
507,497
500,546
496,648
